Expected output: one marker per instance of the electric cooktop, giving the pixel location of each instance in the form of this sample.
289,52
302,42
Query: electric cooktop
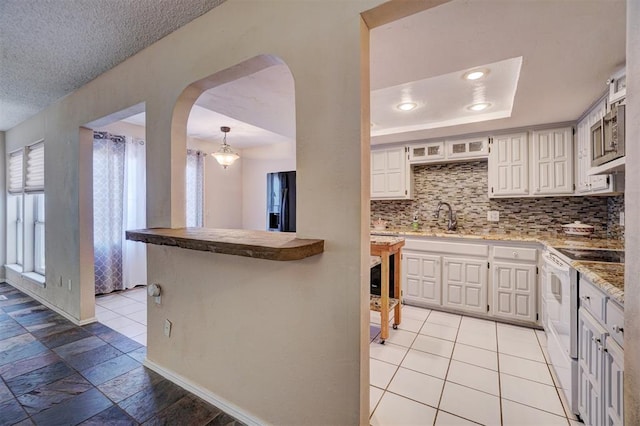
594,255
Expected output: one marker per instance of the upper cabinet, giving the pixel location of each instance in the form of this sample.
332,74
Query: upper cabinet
536,164
552,161
426,152
591,184
449,150
618,86
509,166
390,174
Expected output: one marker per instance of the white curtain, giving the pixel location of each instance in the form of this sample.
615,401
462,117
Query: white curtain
134,254
195,188
119,204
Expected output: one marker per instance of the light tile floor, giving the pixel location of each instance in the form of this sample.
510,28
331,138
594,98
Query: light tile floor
445,369
125,312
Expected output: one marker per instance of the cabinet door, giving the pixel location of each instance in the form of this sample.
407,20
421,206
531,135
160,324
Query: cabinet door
613,384
586,184
509,165
514,291
552,161
432,151
464,283
422,278
389,173
591,337
467,148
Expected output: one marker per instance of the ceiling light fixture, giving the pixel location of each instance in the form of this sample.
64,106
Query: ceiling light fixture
407,106
475,74
225,156
481,106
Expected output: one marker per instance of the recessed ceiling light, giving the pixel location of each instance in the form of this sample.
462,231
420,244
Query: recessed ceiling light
475,74
479,106
407,106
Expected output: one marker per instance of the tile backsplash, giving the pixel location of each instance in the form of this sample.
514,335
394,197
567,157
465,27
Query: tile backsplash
464,186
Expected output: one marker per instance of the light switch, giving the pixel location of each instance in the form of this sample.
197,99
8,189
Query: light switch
493,215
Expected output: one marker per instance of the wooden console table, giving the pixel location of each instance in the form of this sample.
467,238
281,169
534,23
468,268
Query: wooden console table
385,247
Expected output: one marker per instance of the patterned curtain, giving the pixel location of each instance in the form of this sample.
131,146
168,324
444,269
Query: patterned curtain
194,187
108,187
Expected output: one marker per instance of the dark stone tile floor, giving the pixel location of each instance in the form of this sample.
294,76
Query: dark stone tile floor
53,372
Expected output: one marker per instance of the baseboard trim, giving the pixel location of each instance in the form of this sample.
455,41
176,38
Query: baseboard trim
50,305
203,393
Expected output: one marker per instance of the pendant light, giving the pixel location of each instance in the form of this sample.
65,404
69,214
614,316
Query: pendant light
225,156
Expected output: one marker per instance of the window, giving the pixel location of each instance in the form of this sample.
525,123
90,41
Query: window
38,234
194,188
25,210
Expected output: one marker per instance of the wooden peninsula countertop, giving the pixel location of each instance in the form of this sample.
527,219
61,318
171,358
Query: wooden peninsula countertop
238,242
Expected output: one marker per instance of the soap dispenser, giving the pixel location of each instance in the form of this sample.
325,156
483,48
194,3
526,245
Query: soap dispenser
415,225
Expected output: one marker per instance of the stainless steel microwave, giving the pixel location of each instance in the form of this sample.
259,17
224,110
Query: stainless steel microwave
607,137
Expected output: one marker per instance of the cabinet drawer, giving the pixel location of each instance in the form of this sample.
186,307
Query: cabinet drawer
441,247
615,321
515,253
592,299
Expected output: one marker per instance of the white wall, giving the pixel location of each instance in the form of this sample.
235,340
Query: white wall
257,162
632,232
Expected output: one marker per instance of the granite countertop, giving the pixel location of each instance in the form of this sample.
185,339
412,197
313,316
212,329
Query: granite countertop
608,276
238,242
386,240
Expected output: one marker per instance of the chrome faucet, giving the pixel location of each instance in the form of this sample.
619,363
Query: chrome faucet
453,221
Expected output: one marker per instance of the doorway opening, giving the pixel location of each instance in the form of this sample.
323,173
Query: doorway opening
118,152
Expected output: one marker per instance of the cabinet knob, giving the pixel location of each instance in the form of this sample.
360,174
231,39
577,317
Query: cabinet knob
586,298
515,254
618,329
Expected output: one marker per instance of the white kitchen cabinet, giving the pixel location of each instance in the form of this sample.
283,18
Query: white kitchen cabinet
426,152
552,161
509,165
422,278
591,337
467,148
390,174
464,284
618,85
514,290
600,357
514,282
613,383
596,184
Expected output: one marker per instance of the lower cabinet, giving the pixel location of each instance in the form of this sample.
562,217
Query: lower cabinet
514,291
600,372
464,283
492,279
613,383
422,278
591,337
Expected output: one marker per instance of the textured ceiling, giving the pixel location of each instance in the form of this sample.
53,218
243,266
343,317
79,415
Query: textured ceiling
49,48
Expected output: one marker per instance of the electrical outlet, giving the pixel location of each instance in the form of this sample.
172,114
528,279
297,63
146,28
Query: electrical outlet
493,215
621,218
167,328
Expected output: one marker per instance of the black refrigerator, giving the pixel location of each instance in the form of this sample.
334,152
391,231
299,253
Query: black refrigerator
281,201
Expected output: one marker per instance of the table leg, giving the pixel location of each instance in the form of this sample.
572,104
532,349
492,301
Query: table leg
397,288
384,298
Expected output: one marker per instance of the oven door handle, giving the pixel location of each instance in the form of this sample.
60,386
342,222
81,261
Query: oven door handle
555,262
